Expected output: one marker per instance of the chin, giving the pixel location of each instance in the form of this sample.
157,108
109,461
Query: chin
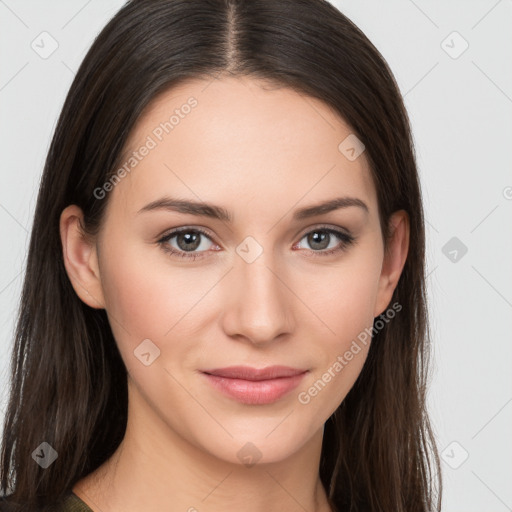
266,446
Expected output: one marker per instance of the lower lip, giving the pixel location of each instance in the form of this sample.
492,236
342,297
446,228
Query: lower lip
255,392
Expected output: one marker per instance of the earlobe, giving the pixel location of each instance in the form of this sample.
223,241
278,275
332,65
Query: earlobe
395,256
80,258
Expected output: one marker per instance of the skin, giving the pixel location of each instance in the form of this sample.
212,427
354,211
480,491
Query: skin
260,152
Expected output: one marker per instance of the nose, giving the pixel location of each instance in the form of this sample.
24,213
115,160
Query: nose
258,306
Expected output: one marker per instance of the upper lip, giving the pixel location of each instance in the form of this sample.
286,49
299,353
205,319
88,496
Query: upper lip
255,374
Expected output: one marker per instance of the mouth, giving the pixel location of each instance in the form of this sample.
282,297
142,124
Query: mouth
253,386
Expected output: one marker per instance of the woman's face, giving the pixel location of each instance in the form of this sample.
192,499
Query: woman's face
255,279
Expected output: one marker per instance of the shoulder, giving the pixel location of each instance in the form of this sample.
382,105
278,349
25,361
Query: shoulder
69,503
72,503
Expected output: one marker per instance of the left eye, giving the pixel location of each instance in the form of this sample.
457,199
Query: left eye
323,240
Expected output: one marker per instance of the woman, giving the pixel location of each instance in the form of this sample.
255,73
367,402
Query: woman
224,303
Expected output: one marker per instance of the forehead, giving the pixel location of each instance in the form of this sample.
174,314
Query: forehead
241,139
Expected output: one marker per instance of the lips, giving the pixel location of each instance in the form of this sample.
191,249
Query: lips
255,374
253,386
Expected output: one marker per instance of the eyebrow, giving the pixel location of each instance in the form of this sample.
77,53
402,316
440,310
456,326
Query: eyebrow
217,212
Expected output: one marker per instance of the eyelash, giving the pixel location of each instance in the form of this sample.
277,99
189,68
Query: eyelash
345,241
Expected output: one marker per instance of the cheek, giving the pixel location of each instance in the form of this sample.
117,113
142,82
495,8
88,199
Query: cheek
140,303
346,302
134,284
345,296
149,298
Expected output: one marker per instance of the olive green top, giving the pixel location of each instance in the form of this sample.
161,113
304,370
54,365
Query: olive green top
70,503
73,503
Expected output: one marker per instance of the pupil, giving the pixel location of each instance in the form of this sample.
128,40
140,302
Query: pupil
319,240
191,241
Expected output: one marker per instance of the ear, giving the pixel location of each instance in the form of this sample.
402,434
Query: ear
395,256
80,258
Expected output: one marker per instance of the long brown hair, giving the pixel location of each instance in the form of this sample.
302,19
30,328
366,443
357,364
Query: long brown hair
68,381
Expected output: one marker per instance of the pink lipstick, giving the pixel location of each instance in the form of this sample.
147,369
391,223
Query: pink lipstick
253,386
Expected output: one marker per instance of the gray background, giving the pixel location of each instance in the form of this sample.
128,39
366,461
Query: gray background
460,104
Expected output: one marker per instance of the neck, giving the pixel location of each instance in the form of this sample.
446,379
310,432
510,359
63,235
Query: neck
155,468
